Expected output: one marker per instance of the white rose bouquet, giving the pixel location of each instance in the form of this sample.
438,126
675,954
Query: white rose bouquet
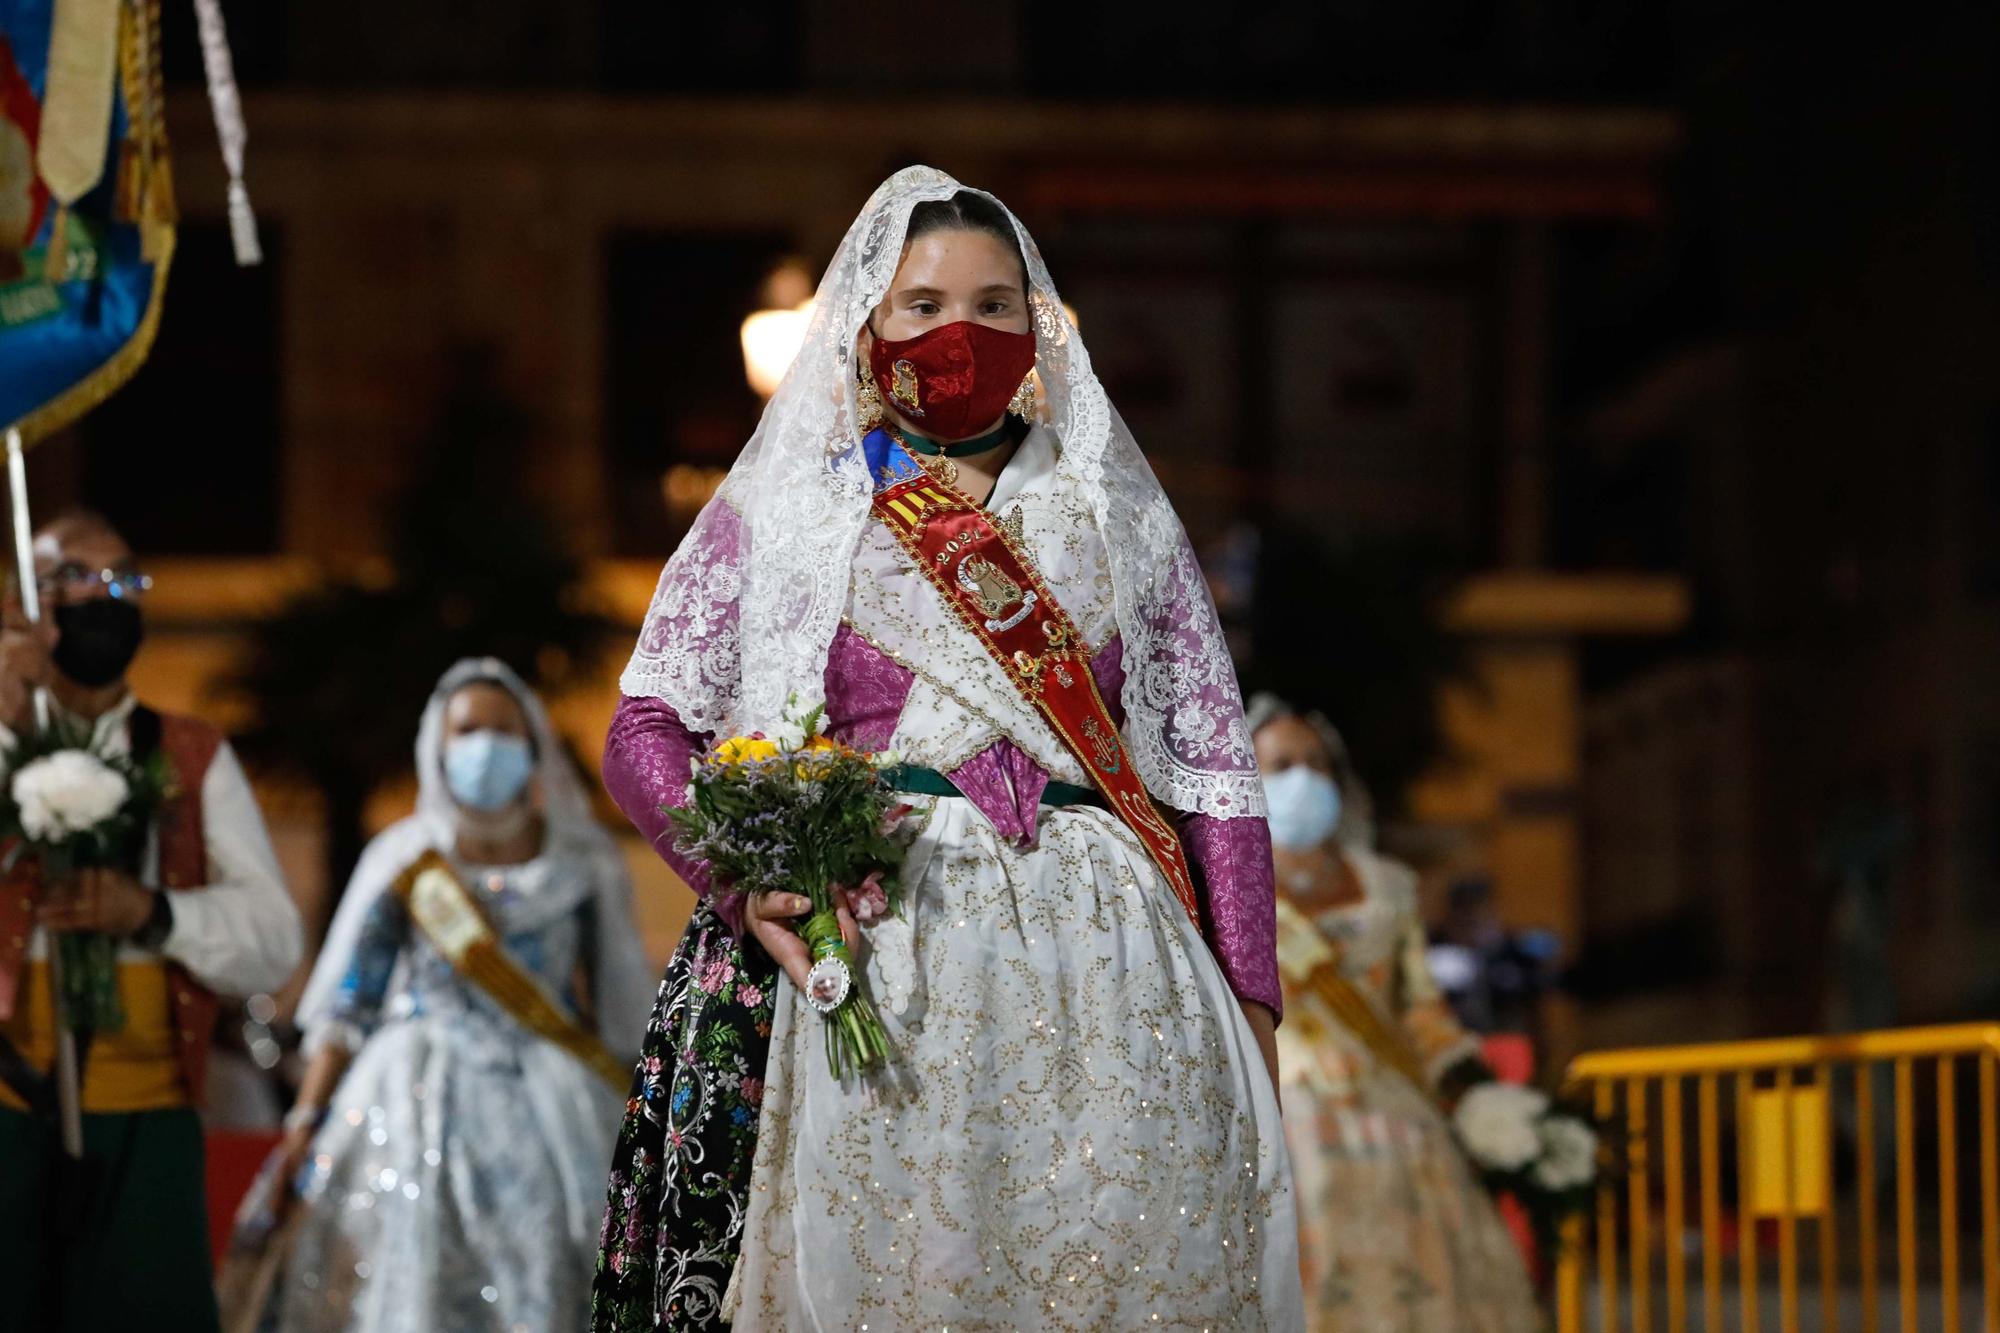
65,794
1525,1145
67,805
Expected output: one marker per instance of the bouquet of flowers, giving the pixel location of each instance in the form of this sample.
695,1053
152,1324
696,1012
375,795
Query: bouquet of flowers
1525,1145
803,813
69,805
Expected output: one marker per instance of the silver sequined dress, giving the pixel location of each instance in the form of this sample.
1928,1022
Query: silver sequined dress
458,1183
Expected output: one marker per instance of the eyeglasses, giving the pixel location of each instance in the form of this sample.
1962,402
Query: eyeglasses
74,582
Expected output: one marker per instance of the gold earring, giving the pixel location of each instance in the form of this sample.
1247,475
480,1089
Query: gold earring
867,398
1022,404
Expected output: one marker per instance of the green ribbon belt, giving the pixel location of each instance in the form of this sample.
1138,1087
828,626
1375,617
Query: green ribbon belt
930,782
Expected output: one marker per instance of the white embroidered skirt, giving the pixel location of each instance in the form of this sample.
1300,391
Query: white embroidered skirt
1078,1133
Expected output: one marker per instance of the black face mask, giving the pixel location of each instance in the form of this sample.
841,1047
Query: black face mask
99,639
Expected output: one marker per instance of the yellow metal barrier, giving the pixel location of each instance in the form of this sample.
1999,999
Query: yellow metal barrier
1793,1146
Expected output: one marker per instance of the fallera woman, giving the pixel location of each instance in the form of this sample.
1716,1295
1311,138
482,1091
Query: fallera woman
943,531
471,1023
1396,1235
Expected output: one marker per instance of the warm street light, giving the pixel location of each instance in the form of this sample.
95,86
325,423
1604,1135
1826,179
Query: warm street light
772,336
771,339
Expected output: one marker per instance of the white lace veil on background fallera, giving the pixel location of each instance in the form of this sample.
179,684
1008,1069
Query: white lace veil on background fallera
622,979
746,609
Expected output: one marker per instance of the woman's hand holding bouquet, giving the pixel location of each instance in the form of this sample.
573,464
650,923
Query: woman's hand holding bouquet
808,829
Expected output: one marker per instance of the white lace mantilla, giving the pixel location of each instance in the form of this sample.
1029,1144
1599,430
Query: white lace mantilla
747,607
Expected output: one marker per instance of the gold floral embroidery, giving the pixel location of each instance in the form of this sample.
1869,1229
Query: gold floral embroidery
1073,1140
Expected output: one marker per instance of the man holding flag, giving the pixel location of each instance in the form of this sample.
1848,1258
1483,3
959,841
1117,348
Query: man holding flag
119,1237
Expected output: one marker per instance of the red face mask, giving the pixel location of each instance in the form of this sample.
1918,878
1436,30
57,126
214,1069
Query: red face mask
953,382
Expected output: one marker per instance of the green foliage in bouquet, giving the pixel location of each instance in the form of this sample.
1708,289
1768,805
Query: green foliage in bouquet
804,814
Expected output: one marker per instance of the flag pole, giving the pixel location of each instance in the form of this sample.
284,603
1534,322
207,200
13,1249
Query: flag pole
69,1101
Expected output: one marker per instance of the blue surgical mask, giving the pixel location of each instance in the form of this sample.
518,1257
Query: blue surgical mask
488,770
1304,805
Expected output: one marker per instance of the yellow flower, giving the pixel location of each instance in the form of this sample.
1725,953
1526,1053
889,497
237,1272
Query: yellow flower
745,750
818,756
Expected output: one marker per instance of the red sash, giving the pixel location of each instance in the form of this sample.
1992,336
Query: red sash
990,585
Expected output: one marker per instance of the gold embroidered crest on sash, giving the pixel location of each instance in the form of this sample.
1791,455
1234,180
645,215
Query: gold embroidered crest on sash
993,592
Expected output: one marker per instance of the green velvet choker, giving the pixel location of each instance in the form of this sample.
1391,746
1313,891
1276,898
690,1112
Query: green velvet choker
917,444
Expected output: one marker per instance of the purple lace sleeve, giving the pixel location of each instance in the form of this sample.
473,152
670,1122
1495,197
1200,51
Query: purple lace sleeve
1183,711
690,648
865,691
1107,667
1233,859
646,758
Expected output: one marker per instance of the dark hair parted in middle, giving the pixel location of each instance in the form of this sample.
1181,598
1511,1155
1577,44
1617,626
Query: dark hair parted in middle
967,211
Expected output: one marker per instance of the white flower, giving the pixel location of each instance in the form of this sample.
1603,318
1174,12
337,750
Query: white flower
1569,1154
1497,1123
65,793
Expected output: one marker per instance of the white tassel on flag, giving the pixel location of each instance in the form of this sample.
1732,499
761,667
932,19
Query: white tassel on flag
243,226
229,129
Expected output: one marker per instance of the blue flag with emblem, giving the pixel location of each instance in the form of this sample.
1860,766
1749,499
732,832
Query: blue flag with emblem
86,204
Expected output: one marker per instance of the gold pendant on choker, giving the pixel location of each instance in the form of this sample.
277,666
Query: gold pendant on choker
939,466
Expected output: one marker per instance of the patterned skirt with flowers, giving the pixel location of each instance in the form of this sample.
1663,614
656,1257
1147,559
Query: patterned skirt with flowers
681,1172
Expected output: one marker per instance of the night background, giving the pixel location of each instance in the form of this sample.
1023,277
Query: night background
1589,406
